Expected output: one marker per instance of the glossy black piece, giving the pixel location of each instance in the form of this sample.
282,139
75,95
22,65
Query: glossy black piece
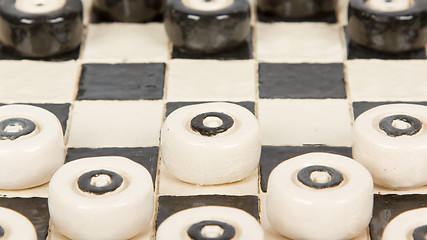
296,9
146,157
128,10
35,209
195,230
198,125
84,182
389,32
387,126
122,81
420,233
207,32
305,173
168,205
301,81
41,35
271,156
27,126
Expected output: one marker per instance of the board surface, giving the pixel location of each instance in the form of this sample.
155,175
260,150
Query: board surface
303,80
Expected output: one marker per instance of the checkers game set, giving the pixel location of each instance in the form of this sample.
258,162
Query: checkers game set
213,119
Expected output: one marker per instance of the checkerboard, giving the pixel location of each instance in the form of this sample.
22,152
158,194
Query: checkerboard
303,80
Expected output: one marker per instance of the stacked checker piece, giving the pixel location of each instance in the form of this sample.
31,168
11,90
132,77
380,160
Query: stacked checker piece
315,172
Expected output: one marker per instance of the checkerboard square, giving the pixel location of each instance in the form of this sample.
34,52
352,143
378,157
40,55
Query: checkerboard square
126,42
301,80
116,124
299,42
38,82
122,81
210,80
378,80
302,122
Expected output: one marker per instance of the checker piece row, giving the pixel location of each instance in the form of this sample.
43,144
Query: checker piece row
41,29
311,196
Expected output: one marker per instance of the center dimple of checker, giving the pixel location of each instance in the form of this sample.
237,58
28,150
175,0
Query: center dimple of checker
195,231
304,176
198,125
420,233
390,5
207,5
39,6
414,125
85,184
24,126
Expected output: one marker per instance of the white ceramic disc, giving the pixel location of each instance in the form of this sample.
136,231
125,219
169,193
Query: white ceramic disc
390,5
29,160
394,162
178,225
228,156
15,226
402,227
298,211
207,5
119,214
39,6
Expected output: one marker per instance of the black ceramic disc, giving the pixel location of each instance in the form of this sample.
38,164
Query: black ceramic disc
84,182
207,32
305,173
420,233
296,9
198,125
386,125
27,127
130,10
389,32
195,231
1,232
35,35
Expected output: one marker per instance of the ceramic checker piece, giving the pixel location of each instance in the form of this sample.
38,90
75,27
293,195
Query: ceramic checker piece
101,198
409,225
211,143
14,226
319,196
391,142
31,146
210,222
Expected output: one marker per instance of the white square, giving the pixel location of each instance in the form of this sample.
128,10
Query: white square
125,42
169,185
211,80
115,124
379,80
299,122
38,82
299,42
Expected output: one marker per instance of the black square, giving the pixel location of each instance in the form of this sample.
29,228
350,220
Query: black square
97,16
242,51
35,209
61,111
271,156
122,81
355,51
147,157
172,106
386,207
327,18
9,54
314,81
360,107
169,205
